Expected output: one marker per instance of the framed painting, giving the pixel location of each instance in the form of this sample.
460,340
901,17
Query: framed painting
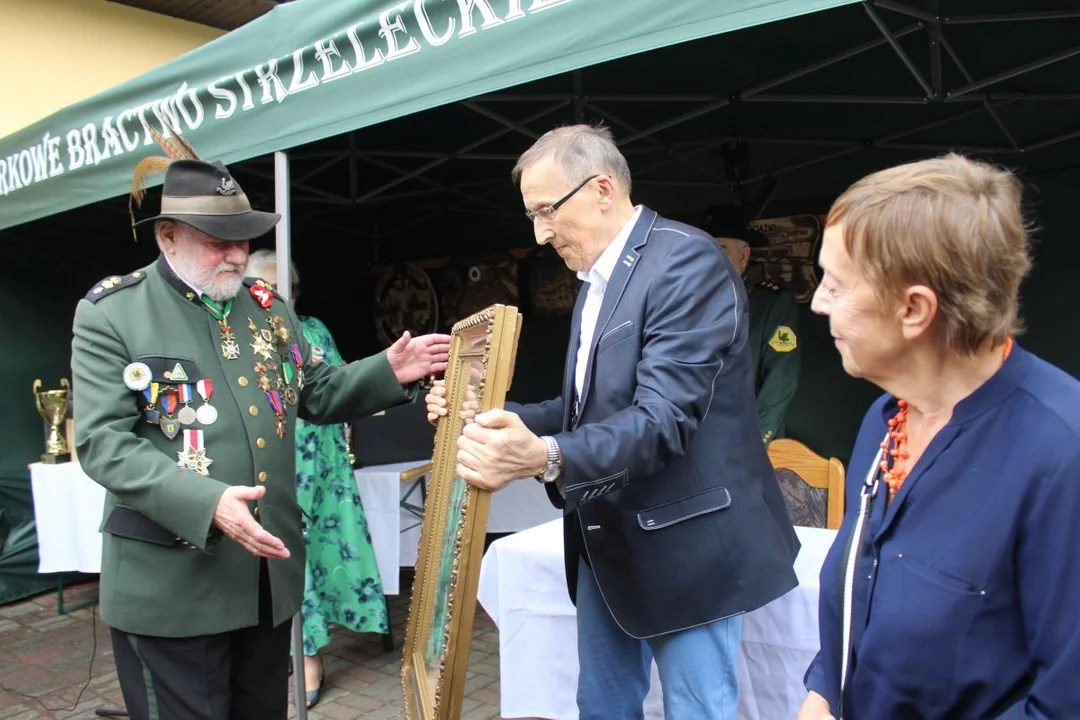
436,656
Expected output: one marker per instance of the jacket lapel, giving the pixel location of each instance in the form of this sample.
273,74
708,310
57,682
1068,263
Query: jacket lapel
620,276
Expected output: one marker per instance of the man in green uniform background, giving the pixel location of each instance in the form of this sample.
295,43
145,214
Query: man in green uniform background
188,380
774,321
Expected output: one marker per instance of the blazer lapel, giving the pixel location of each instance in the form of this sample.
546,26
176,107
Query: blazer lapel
620,276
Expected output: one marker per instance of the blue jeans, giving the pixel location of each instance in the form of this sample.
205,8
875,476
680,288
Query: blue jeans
697,666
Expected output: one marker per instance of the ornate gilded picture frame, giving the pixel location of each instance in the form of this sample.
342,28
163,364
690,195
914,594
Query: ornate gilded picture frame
436,655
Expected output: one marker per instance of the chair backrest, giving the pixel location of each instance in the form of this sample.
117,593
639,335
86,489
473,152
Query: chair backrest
813,470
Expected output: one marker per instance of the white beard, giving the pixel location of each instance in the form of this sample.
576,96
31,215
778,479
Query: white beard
218,289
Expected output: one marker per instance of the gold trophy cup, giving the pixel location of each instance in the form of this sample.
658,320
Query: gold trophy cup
52,406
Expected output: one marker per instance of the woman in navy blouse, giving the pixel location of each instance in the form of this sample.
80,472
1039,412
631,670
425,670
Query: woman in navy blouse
953,587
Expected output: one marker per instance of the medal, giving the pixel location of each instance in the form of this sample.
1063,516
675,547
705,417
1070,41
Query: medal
274,397
169,426
229,349
186,416
207,413
264,297
290,396
151,395
168,401
137,376
193,456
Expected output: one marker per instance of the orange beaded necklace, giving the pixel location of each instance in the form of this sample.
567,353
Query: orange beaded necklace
895,455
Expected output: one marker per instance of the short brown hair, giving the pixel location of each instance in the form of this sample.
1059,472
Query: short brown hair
952,224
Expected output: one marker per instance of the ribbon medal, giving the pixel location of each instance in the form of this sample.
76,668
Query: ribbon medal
264,297
206,414
186,416
150,412
193,456
137,376
170,427
274,397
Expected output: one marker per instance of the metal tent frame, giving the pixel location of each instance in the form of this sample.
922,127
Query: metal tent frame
984,96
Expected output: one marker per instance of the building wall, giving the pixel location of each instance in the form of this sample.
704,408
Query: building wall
58,52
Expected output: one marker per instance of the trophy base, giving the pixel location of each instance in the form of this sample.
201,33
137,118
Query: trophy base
48,459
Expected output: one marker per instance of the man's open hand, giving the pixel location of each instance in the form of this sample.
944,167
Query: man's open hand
413,358
234,519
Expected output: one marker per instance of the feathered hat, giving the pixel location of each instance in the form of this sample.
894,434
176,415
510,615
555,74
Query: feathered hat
198,193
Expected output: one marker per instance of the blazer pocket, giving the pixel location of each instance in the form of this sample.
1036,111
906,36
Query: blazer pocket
171,370
133,525
670,513
616,334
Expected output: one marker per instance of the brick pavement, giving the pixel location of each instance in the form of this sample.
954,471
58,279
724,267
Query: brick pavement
45,661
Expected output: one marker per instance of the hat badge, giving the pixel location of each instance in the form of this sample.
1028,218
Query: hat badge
227,186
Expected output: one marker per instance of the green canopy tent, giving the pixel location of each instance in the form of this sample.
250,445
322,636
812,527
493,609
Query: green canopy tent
813,101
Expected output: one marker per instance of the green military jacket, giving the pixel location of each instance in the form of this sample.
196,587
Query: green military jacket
774,345
144,346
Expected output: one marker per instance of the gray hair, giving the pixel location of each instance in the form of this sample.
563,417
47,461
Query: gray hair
261,261
579,151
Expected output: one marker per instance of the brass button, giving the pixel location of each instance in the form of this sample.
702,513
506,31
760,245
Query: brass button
253,410
262,476
242,381
261,443
256,513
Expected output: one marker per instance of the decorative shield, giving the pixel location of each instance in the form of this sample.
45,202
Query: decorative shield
553,287
470,285
404,300
791,256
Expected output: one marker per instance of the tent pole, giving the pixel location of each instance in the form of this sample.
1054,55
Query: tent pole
1013,17
284,288
1009,74
929,91
943,43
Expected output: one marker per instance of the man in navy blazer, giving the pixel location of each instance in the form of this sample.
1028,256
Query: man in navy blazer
674,523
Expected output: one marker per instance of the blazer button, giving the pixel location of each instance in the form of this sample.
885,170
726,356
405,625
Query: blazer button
262,476
261,443
253,410
256,513
242,381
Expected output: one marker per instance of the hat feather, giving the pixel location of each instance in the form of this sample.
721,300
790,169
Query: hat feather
175,147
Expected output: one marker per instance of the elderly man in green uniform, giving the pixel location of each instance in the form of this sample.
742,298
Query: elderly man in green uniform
774,321
188,380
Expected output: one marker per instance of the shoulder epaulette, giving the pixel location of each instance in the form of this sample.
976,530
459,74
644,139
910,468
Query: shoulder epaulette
113,283
768,284
254,281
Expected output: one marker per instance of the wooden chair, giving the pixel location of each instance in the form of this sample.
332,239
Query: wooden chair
802,463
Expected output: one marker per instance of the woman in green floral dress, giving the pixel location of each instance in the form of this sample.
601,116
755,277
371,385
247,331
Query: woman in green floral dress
342,579
342,584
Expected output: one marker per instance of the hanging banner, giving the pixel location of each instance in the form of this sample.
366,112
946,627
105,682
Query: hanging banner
310,69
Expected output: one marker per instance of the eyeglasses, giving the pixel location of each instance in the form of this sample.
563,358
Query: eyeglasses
548,212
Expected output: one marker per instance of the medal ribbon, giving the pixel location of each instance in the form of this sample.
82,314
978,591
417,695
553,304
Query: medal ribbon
185,393
297,358
193,440
274,397
151,393
168,402
219,313
205,388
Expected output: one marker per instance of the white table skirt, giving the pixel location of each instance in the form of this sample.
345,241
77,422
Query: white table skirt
67,511
523,588
395,531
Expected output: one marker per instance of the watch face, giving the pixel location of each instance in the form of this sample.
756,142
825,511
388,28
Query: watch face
549,474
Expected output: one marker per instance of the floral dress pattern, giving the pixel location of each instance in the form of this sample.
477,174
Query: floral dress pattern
342,584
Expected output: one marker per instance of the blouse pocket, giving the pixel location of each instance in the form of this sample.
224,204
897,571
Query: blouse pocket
940,578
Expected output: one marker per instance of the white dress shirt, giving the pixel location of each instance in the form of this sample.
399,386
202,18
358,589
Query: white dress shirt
597,277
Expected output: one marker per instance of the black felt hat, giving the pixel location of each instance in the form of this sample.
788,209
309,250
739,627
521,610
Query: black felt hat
205,196
729,221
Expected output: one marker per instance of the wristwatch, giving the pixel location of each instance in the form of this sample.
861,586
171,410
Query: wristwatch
554,461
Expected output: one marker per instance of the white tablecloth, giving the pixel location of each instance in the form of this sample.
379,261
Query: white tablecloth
523,588
395,531
67,511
